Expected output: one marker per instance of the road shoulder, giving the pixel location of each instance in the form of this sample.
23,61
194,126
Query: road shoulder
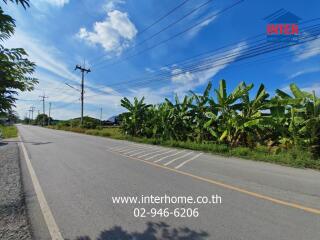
14,222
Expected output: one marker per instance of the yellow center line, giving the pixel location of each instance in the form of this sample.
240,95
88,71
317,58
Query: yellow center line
227,186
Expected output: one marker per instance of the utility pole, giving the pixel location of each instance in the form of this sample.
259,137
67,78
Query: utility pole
49,113
29,114
83,70
43,97
32,110
100,117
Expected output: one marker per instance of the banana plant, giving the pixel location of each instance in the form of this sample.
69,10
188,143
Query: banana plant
228,118
200,107
250,118
234,118
180,117
133,120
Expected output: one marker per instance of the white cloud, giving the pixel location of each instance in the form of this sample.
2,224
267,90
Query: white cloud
44,56
313,87
185,80
59,3
165,69
56,3
202,25
307,50
151,96
112,4
180,77
52,73
149,70
304,71
307,88
66,101
114,34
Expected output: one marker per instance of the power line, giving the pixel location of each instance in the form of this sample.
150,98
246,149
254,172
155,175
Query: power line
178,34
166,27
258,50
244,41
164,16
210,65
209,61
154,23
64,105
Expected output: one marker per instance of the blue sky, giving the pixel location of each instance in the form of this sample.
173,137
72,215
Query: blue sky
58,34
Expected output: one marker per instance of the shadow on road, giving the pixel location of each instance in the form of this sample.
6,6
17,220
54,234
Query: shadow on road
154,231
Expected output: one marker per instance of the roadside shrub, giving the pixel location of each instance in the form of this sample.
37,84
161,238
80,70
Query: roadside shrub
241,151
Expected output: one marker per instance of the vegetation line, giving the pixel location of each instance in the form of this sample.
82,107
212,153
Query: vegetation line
294,158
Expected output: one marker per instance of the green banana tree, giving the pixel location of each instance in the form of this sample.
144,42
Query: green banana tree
200,108
229,120
295,113
133,121
250,119
180,118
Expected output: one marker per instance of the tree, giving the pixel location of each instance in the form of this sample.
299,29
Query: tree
42,119
15,68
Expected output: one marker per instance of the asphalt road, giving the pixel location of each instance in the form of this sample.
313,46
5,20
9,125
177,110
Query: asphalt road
79,175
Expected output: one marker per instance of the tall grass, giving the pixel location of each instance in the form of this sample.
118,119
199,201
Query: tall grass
8,131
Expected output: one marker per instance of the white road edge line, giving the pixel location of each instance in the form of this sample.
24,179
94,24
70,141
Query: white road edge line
47,214
160,159
173,160
189,160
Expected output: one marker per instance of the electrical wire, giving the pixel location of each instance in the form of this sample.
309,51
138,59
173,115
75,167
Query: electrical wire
176,35
248,54
165,28
154,23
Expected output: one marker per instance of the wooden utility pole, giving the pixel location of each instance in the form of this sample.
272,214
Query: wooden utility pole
43,97
83,70
32,110
29,114
49,113
100,117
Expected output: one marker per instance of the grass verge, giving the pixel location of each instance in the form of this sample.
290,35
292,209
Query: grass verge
291,157
8,131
